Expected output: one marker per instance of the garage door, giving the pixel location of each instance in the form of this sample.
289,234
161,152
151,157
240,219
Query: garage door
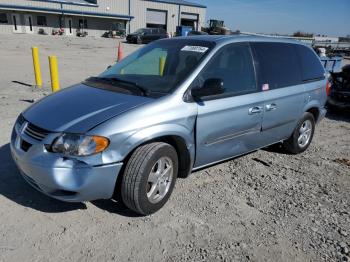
156,18
189,19
189,16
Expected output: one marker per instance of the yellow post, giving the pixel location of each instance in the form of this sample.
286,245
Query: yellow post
37,69
55,82
161,65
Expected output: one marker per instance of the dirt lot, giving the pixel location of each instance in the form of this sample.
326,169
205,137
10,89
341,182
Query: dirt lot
265,206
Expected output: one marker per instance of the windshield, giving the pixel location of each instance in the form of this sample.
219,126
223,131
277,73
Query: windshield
160,66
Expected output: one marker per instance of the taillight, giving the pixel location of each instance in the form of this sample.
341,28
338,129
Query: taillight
328,88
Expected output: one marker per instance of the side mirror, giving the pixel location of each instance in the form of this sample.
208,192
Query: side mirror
212,86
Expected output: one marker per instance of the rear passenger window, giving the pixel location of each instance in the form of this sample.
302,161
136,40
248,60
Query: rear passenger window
312,68
234,65
277,64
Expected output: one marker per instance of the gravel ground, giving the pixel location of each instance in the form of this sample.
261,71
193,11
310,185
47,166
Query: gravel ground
265,206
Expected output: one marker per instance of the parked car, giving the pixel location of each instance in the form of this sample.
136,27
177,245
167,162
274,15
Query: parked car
196,33
146,35
339,90
171,107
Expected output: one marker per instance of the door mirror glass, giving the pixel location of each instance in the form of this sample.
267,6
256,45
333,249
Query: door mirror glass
212,86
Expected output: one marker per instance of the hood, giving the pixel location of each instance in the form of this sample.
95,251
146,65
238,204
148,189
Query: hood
80,108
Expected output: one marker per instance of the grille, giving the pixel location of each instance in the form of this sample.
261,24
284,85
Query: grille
25,145
35,132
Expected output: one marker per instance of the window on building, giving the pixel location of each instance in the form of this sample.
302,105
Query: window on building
83,24
277,64
41,20
3,18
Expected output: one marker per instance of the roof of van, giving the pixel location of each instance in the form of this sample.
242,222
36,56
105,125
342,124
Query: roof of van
240,38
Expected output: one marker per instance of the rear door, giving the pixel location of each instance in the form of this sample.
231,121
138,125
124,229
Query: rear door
229,124
279,76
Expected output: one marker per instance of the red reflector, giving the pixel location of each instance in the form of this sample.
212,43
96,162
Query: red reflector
328,88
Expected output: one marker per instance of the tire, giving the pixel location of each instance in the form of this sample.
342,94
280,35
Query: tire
139,41
143,188
296,143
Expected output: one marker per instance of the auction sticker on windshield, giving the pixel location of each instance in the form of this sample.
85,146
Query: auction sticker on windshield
191,48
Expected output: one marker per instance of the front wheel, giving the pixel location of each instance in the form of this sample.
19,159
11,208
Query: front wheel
149,177
302,136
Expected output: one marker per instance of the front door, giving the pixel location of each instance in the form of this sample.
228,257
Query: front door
229,124
28,24
16,22
69,26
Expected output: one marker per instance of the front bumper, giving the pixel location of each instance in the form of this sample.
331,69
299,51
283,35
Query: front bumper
65,179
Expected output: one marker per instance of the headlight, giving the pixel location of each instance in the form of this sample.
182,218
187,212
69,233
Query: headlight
79,145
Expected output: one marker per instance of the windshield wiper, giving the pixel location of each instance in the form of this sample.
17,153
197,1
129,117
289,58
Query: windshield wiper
112,80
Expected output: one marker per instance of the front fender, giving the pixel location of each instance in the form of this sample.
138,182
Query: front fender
132,141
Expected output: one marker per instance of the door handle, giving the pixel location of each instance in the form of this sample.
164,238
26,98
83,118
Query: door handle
255,110
271,107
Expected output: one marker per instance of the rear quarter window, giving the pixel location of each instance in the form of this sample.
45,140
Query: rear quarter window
277,64
311,66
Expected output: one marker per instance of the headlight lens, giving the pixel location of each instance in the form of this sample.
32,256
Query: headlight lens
79,145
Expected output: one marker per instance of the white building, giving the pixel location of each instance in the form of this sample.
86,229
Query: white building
97,16
326,39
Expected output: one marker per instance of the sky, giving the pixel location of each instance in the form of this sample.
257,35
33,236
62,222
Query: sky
326,17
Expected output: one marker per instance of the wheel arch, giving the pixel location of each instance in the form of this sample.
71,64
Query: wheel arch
313,107
178,137
315,111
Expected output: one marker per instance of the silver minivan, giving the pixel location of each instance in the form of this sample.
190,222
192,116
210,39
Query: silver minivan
171,107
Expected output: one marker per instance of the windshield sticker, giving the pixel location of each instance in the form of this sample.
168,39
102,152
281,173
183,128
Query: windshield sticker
191,48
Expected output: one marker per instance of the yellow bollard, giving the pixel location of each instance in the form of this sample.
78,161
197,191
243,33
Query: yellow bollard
55,82
161,65
37,69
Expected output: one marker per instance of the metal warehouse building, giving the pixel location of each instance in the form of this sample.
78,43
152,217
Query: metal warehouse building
97,16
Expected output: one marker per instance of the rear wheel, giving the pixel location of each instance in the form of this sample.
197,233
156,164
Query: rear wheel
302,135
149,177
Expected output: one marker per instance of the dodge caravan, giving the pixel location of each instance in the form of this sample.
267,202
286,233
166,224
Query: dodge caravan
171,107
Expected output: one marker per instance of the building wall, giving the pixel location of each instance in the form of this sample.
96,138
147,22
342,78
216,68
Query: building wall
115,6
139,8
96,26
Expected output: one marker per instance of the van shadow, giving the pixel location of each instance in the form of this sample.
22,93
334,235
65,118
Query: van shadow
339,115
13,187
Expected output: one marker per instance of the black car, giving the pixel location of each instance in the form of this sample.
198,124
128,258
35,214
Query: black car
146,35
339,90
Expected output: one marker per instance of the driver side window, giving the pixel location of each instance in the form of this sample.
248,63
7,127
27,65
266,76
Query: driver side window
233,64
